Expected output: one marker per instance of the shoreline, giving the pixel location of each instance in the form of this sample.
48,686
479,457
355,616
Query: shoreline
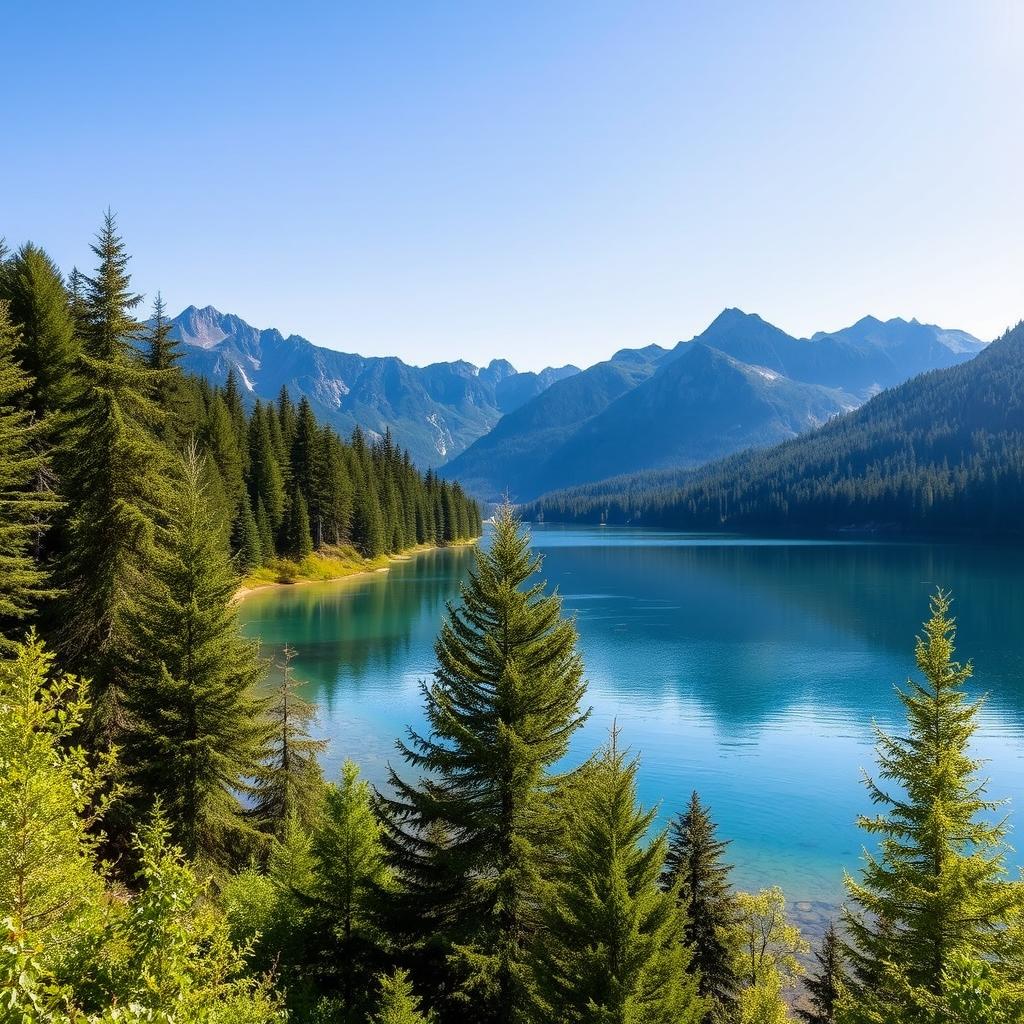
408,554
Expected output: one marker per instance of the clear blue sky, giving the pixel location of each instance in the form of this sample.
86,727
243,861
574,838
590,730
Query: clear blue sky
543,181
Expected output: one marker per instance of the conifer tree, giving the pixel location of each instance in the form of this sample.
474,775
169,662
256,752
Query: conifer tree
161,349
266,478
695,865
247,538
827,984
300,541
116,484
225,449
236,410
503,703
349,875
22,582
47,346
289,786
613,949
266,533
198,728
938,887
398,1003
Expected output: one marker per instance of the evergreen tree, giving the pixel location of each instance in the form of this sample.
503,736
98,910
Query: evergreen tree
22,507
116,484
289,787
501,708
199,731
224,447
349,874
266,479
695,865
398,1004
47,347
613,950
247,538
266,533
161,349
236,410
938,883
828,982
300,541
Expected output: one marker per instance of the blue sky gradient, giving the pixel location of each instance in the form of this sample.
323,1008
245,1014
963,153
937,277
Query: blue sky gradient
546,182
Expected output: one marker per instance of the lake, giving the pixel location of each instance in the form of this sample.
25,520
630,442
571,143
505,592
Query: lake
750,670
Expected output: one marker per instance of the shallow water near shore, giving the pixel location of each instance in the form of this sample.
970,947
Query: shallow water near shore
750,670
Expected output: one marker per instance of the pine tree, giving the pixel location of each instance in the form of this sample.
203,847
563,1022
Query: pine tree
198,728
247,538
47,347
695,864
289,786
939,881
266,533
828,982
161,349
225,449
398,1004
300,541
266,479
117,487
613,949
501,708
22,582
349,876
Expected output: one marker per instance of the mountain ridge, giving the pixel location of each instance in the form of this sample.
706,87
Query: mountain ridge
587,428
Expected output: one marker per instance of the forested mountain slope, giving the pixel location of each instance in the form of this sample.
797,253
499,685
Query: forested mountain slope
433,411
651,408
943,452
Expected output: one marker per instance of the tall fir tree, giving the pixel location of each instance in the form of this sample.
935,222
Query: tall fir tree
247,538
300,540
937,889
199,730
695,866
288,788
117,484
350,874
613,950
48,347
826,985
23,507
503,703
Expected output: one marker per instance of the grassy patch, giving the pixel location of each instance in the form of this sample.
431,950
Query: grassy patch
330,564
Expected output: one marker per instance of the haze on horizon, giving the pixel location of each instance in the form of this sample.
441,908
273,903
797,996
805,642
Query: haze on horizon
543,183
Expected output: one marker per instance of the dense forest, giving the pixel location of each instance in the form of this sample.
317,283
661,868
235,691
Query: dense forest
940,454
170,850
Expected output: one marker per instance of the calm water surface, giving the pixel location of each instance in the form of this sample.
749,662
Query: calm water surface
749,670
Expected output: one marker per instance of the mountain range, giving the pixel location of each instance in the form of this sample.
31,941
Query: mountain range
941,453
433,411
741,383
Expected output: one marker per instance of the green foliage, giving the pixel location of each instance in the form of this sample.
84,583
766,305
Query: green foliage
398,1003
827,985
117,484
612,950
51,794
289,786
937,889
198,730
23,507
501,708
767,948
695,866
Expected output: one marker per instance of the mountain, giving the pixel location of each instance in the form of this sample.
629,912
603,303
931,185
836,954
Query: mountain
742,382
941,453
510,458
434,411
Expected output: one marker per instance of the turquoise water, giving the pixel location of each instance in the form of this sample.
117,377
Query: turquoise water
750,670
